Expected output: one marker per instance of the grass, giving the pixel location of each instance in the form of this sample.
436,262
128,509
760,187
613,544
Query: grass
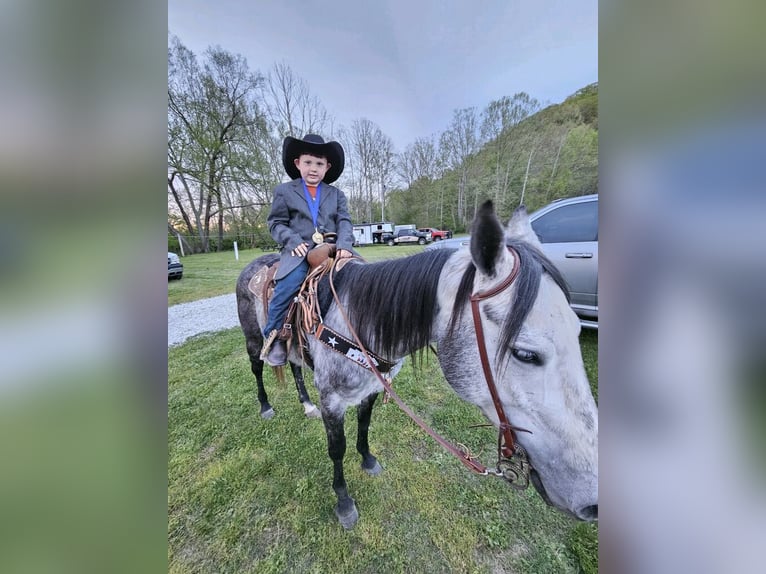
212,274
248,495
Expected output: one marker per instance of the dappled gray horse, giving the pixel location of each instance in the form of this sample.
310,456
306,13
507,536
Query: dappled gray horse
529,332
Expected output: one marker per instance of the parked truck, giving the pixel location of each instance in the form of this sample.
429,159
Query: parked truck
436,234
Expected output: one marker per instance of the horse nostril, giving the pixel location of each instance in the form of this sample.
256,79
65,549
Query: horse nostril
589,512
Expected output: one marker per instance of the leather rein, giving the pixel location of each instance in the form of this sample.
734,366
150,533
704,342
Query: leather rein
512,463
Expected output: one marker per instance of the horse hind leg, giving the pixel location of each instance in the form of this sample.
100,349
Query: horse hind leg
363,414
256,366
309,408
345,509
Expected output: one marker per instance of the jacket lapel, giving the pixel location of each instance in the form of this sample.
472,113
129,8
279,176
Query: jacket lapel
298,188
326,191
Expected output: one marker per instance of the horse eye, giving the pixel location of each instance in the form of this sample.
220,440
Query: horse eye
526,356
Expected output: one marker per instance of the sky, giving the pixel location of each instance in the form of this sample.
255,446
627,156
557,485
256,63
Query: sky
405,65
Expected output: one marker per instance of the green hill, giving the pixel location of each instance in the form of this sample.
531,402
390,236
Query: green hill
549,154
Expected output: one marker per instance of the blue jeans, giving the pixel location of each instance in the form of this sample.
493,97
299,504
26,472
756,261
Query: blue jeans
284,291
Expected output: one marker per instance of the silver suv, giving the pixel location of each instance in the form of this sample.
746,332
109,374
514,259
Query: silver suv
568,230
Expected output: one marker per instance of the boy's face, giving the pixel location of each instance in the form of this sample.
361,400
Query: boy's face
312,168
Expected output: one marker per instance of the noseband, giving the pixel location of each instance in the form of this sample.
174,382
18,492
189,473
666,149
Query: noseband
512,462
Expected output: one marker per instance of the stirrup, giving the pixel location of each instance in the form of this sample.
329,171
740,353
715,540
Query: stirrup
268,343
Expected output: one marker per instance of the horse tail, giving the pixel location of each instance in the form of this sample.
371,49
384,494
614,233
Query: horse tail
279,373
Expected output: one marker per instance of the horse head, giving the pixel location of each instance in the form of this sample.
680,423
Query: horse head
532,341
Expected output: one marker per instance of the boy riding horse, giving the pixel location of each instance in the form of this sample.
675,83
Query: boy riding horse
304,212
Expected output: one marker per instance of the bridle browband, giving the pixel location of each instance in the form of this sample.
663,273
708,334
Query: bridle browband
512,463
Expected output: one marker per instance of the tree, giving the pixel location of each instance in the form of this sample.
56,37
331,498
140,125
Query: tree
293,110
417,167
370,159
496,119
457,146
212,115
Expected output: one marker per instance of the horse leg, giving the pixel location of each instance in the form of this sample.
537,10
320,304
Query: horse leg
256,365
363,414
345,510
309,409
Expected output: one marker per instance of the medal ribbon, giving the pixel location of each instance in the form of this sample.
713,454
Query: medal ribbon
313,203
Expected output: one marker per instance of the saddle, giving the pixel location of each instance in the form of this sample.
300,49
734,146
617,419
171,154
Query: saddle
262,284
303,316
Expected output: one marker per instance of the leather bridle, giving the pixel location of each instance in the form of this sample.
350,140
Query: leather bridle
512,463
507,446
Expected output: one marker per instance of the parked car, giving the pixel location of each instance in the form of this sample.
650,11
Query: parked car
175,267
403,236
436,234
568,231
451,243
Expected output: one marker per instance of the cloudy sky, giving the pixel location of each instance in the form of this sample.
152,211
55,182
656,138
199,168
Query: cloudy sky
405,64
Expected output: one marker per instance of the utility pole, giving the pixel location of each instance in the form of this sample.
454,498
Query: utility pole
526,175
382,201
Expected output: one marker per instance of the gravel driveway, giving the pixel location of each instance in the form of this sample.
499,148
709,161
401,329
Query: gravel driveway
206,315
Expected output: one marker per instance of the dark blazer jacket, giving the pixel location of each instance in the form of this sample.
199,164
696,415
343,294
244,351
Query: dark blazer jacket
290,220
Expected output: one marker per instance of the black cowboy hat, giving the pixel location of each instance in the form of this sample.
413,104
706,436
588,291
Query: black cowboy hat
315,145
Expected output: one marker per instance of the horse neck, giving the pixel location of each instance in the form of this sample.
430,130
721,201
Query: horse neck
393,304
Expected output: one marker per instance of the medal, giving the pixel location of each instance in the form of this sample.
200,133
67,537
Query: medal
313,205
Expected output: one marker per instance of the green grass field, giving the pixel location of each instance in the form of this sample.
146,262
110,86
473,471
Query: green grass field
248,495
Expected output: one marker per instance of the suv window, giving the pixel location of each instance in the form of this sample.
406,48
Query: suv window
569,223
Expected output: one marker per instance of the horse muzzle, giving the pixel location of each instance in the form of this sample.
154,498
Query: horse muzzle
588,513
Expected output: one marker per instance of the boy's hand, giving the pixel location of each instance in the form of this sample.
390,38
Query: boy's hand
301,250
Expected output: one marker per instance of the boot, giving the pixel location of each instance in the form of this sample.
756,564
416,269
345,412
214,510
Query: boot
274,351
277,356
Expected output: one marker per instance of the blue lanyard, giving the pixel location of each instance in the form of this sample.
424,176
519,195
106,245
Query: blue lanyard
313,203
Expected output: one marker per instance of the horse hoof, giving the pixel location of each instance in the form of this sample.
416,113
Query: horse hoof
375,470
348,520
269,414
311,411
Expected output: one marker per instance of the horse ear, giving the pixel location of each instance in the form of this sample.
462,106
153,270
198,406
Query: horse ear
520,228
487,239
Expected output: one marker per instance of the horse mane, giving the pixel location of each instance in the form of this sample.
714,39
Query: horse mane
391,304
532,264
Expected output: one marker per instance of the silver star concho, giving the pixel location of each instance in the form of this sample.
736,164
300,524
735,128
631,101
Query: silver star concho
332,341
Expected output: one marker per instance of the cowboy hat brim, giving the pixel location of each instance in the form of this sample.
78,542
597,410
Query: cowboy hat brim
333,151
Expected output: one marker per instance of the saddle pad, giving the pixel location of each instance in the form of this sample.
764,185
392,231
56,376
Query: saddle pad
261,285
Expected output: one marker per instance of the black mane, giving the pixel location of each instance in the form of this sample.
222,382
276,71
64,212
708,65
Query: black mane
391,304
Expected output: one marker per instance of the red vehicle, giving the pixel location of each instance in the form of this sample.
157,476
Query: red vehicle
436,234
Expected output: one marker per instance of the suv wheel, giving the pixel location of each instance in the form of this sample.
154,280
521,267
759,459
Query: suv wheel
391,243
421,241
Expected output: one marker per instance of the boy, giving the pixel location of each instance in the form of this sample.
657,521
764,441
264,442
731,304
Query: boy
302,211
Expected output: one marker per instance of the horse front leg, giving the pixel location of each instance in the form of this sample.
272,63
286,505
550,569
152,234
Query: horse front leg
363,414
309,409
345,510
